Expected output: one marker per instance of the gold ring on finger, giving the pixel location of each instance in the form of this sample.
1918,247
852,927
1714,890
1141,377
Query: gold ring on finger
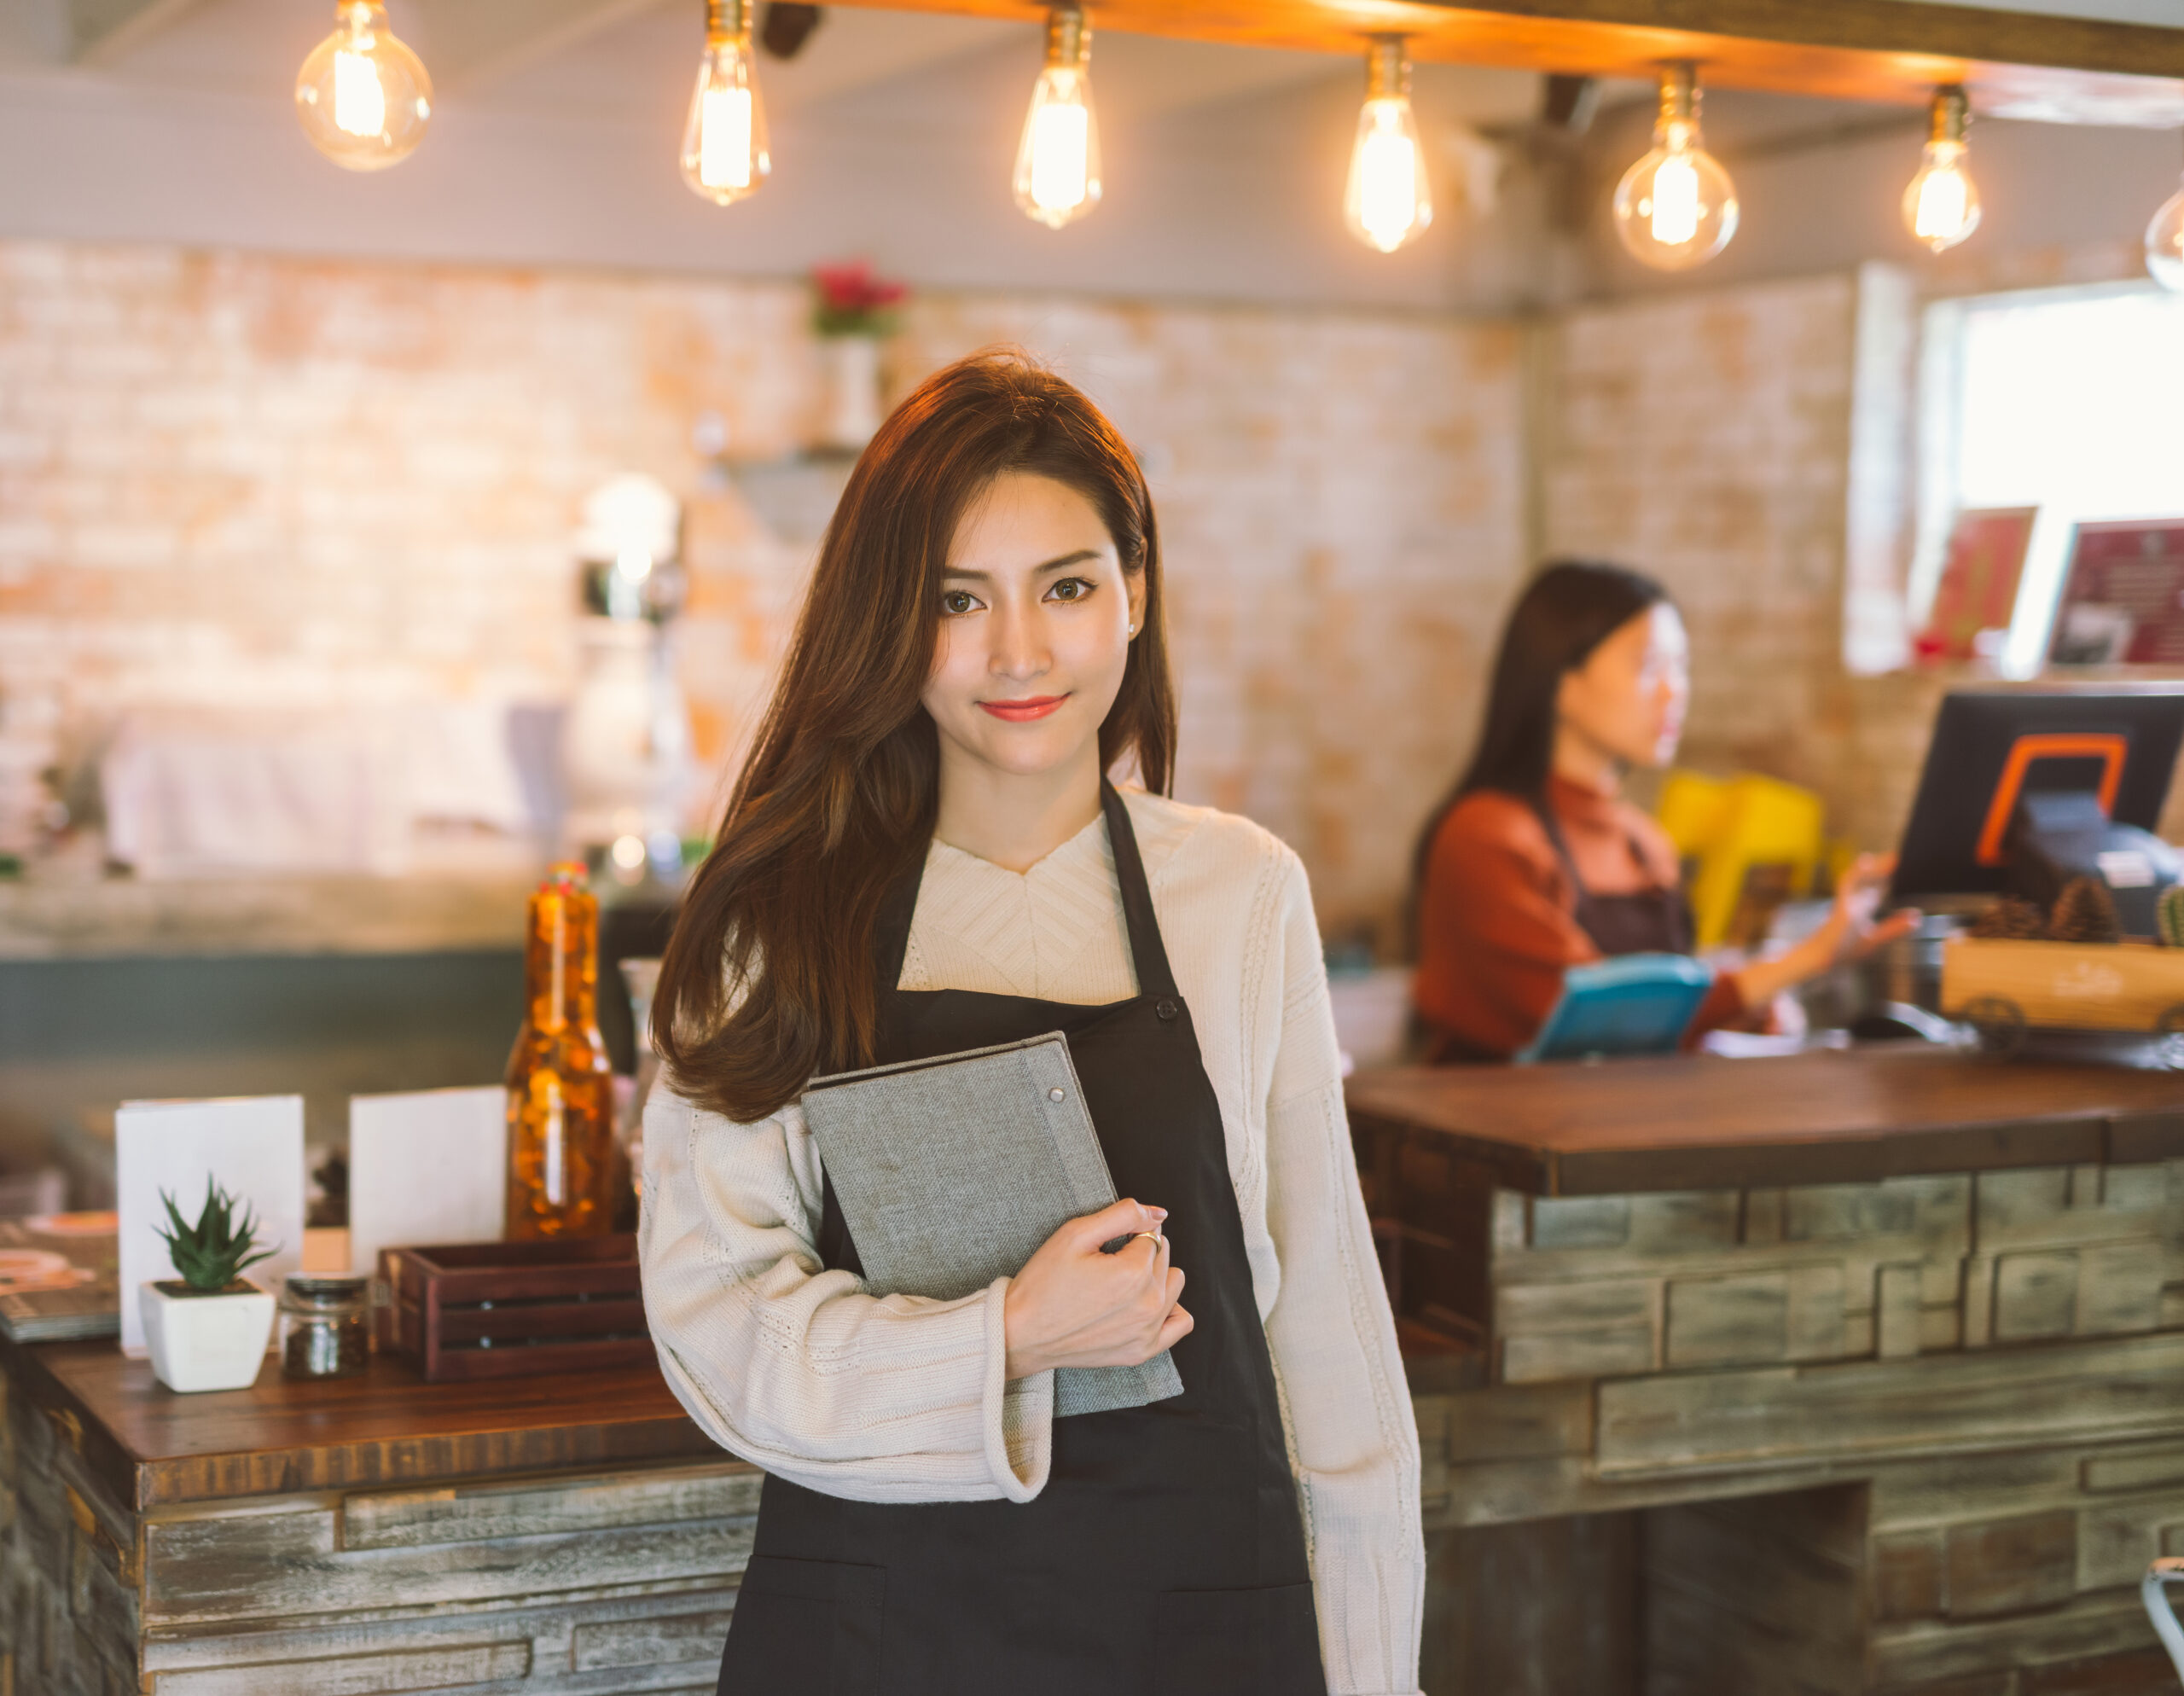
1152,1237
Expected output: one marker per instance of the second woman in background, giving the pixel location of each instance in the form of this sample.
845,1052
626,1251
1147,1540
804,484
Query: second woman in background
1535,863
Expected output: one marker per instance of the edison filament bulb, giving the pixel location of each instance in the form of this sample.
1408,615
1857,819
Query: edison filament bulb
363,96
1057,178
1388,201
724,155
1677,208
1941,205
2165,243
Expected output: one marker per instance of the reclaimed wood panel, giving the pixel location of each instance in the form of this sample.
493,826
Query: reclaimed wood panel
578,1644
355,1674
2035,1297
1927,1652
2152,1468
2120,1537
2010,1564
1932,1404
275,1563
672,1639
1907,1576
485,1514
68,1618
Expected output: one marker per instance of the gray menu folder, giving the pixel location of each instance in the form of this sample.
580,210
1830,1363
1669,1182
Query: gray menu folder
952,1171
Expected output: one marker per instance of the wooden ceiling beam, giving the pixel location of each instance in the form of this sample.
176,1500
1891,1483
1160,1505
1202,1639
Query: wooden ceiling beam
103,30
2016,64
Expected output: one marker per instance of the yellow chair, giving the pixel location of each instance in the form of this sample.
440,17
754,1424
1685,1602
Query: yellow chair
1748,843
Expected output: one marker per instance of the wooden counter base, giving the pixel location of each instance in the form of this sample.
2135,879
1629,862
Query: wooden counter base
374,1534
1919,1431
1906,1436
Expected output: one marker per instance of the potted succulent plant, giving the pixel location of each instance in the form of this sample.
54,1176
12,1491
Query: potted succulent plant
208,1329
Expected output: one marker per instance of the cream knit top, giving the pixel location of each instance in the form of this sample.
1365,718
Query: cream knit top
904,1399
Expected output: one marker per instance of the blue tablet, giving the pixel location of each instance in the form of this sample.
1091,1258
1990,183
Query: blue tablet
1635,1004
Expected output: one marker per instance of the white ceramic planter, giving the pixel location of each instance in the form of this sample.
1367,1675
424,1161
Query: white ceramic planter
206,1342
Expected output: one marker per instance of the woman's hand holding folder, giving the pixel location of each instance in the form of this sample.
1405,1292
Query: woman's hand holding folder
1073,1306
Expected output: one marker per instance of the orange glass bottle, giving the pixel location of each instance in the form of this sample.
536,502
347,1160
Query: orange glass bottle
560,1084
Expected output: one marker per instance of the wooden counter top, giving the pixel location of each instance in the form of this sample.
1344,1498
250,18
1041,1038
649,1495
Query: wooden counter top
1826,1116
154,1449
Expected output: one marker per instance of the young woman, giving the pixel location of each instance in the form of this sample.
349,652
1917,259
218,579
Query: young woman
925,856
1534,863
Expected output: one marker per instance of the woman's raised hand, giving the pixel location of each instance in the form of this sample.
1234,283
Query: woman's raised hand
1850,932
1071,1305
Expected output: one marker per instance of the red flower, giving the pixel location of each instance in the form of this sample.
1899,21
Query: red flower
851,289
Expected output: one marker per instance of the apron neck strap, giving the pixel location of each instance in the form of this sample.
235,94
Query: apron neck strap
1148,954
891,930
1545,808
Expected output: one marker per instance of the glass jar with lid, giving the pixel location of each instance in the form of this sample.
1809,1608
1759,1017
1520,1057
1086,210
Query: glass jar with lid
325,1326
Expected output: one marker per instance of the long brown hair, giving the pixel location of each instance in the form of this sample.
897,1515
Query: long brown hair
768,979
1558,623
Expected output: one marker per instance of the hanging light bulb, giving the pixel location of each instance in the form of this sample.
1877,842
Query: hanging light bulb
1058,161
1677,208
724,155
2165,243
1941,205
1388,201
363,96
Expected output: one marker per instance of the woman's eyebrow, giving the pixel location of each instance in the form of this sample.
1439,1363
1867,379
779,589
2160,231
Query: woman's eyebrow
1054,565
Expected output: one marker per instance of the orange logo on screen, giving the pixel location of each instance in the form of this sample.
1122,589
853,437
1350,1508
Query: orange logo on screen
2108,749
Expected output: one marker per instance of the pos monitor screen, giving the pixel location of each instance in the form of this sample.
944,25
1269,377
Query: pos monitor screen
1991,747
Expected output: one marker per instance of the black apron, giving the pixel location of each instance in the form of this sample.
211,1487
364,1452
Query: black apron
1166,1553
1644,922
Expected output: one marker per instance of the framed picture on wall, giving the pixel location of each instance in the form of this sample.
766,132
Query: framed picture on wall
2122,596
1977,593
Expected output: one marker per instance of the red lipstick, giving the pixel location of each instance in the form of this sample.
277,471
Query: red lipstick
1024,712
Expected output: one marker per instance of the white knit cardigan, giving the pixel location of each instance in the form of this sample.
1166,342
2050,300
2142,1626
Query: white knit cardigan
903,1399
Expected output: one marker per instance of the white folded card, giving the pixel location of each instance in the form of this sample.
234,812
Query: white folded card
425,1167
952,1171
253,1146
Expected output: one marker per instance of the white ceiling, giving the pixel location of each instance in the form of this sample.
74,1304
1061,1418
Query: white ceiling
556,123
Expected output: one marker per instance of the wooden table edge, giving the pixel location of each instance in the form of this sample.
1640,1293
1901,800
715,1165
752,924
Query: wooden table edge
144,1483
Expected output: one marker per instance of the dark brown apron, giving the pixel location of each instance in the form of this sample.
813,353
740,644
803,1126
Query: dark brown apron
1643,922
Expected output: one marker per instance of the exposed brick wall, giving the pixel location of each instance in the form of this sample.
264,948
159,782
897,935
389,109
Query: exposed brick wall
1705,438
274,478
258,478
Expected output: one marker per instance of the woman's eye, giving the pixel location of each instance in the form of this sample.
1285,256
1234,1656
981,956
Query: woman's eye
1071,588
957,601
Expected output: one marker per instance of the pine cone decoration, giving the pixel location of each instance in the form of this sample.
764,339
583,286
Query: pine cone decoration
2084,913
2012,920
2169,916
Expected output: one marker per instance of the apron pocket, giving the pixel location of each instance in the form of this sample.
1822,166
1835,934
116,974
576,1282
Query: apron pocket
1237,1643
805,1628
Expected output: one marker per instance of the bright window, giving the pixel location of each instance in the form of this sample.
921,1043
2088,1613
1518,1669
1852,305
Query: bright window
2072,401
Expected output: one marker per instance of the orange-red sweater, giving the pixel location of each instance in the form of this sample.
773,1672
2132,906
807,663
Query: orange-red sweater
1496,930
